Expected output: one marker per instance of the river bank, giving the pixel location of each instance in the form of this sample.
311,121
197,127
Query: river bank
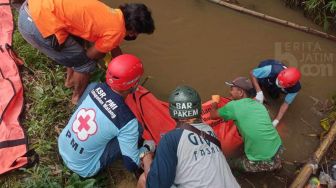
321,12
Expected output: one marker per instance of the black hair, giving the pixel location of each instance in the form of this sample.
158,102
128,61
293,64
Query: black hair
137,18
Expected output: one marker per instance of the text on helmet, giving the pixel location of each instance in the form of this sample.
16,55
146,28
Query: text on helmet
183,105
185,113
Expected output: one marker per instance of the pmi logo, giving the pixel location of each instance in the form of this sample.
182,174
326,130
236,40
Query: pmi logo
85,124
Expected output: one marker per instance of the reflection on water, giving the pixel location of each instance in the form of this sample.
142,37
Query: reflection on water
203,45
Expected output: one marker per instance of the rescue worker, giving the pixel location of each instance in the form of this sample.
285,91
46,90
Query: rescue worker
103,128
262,143
184,158
58,28
276,78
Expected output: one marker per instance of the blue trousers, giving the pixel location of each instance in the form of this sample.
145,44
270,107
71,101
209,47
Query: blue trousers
72,54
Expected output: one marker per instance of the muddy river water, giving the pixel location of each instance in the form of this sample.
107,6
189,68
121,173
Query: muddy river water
203,45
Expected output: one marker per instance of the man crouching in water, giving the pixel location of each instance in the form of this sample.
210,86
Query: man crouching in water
184,158
262,143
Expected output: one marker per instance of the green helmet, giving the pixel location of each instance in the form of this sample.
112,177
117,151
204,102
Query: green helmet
184,103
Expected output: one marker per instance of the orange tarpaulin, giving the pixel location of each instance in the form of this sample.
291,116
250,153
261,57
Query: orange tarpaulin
153,114
13,142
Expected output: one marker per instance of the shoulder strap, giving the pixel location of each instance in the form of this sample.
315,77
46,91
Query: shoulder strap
200,133
33,158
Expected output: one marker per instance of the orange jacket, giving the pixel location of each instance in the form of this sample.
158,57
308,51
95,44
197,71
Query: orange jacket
91,20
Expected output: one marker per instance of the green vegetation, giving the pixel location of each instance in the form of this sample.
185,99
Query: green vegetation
322,12
331,118
47,108
46,111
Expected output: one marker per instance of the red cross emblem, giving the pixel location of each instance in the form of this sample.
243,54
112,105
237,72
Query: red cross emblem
84,124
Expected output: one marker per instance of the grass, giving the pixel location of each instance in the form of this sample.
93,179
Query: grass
322,12
46,111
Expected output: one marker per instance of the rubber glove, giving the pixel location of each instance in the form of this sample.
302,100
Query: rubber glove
148,146
275,122
215,98
260,97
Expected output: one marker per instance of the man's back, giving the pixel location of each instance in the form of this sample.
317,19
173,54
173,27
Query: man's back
100,117
184,159
261,139
91,20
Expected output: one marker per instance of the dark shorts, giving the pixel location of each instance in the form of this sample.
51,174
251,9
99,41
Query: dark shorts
112,151
110,154
273,90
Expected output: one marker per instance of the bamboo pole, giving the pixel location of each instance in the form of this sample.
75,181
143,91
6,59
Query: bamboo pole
275,20
307,170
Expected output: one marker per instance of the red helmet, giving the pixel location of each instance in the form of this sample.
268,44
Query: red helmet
124,72
289,77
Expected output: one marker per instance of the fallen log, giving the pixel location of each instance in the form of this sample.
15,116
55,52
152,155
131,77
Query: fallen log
309,167
275,20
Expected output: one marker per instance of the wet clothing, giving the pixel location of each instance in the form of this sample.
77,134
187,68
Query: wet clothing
72,54
267,73
101,129
91,20
261,139
245,165
184,159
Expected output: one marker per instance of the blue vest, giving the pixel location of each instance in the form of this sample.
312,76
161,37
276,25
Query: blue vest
270,80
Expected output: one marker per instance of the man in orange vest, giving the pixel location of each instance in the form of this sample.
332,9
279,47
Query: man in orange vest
54,27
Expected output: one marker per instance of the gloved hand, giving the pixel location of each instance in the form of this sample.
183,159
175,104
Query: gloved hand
215,98
275,122
260,97
149,144
147,147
